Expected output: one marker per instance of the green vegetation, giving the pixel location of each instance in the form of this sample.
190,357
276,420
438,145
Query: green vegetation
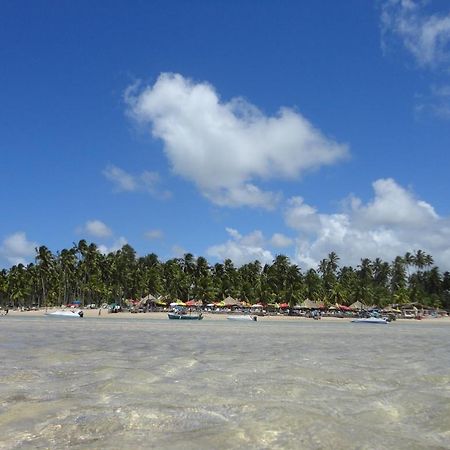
83,273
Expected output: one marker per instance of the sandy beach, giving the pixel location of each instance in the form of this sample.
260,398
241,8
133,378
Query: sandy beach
94,313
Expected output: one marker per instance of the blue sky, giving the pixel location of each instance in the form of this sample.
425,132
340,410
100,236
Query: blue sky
227,129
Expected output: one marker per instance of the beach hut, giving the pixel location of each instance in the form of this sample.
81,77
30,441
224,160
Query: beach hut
309,304
358,305
230,301
149,298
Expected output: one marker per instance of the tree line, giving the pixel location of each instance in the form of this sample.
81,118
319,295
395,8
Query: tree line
83,273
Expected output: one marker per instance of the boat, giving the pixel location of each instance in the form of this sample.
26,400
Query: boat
72,314
380,320
178,316
243,318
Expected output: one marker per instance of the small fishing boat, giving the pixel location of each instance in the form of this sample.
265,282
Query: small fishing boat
178,316
72,314
380,320
243,318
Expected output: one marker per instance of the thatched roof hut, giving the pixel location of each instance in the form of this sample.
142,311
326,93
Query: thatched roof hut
358,305
309,304
230,301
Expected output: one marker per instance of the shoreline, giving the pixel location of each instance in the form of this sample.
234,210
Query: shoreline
94,313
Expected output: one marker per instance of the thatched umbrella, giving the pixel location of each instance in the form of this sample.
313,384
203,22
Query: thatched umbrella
309,304
230,301
358,305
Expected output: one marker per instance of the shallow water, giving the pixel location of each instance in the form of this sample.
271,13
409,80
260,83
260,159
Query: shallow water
128,383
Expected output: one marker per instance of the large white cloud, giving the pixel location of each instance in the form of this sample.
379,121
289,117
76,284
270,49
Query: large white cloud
17,249
242,249
425,36
394,222
225,148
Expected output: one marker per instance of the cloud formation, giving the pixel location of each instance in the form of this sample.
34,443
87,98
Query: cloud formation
147,181
242,249
394,222
225,148
96,228
425,36
17,249
116,245
279,240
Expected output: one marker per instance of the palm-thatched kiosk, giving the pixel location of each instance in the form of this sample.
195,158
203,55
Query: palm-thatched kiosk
358,305
230,301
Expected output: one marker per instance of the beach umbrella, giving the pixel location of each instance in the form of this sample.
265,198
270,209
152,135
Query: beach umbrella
284,305
309,304
345,308
230,301
257,305
358,305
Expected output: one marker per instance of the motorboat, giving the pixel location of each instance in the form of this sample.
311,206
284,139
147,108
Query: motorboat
179,316
243,318
380,320
71,313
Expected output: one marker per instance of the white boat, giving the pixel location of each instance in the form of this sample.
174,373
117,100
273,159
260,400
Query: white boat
371,320
71,313
243,318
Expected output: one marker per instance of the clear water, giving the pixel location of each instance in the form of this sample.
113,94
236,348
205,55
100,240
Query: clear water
223,385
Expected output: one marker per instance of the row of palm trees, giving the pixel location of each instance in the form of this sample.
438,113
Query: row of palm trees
83,273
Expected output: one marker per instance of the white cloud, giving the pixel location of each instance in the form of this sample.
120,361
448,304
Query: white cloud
116,245
437,102
123,180
242,249
426,37
393,222
279,240
17,249
96,228
154,234
393,205
147,181
225,147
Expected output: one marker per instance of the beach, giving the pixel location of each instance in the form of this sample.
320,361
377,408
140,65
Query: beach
94,313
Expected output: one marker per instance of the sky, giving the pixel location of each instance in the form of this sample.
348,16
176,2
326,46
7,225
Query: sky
227,129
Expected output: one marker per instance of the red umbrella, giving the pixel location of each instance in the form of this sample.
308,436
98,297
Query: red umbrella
190,303
284,305
345,308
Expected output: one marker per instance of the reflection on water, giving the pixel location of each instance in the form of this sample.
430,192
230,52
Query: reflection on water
220,384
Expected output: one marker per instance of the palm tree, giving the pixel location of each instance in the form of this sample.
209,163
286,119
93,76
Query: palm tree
46,264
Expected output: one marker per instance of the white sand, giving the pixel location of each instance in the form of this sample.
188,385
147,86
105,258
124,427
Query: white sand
207,316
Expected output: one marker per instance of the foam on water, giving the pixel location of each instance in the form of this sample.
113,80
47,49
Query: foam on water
158,384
